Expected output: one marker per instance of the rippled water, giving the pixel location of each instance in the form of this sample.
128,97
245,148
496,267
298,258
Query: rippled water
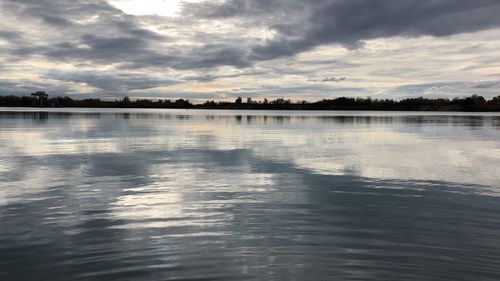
235,195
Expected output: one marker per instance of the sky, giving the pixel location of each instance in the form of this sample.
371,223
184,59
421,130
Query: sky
222,49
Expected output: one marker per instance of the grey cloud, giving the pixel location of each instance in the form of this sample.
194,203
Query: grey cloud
117,38
111,37
315,91
111,46
214,76
488,85
59,8
336,63
334,79
200,78
300,26
236,8
211,56
450,89
92,33
57,21
349,22
9,35
177,95
110,83
124,51
185,58
329,79
25,87
11,87
131,47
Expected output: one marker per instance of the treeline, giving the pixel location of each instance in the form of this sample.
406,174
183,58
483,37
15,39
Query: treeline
27,101
473,103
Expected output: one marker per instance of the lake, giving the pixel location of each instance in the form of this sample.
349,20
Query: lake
138,194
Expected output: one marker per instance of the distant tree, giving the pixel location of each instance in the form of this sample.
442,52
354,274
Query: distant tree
471,103
126,102
279,101
495,100
181,103
478,99
210,103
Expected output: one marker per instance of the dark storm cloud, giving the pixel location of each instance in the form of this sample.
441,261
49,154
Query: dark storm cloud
349,22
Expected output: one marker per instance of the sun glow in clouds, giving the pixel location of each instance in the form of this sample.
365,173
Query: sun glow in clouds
168,8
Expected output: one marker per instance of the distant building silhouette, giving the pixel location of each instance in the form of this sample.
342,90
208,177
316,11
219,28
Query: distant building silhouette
40,99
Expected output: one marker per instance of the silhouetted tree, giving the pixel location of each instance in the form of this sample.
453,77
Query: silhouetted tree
125,102
472,103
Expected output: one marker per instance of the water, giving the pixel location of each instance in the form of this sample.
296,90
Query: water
248,195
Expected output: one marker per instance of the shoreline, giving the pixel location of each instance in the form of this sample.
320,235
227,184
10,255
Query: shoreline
466,104
199,111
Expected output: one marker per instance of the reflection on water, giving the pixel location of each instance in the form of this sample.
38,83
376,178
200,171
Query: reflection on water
222,195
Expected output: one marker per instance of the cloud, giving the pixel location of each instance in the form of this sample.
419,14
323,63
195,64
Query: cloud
329,79
110,83
488,85
334,79
25,87
303,25
209,77
56,21
103,34
9,35
275,47
80,31
446,89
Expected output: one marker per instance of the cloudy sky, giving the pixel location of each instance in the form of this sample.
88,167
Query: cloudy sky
222,49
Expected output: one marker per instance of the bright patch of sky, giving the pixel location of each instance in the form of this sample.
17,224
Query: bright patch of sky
168,8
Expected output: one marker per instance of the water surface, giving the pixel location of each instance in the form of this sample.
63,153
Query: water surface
122,194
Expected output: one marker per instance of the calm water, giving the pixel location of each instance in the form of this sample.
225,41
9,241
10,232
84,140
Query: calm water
248,195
